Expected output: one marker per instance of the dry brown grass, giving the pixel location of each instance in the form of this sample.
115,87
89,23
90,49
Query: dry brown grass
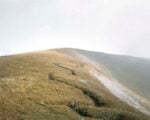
39,86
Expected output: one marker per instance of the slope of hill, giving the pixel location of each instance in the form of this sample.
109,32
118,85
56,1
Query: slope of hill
131,74
53,85
124,68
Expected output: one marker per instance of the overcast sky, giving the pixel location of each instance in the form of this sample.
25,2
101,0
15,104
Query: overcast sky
112,26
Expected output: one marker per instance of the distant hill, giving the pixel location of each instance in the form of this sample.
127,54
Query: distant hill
56,85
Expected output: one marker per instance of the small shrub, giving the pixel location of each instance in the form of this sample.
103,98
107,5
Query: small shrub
51,76
73,72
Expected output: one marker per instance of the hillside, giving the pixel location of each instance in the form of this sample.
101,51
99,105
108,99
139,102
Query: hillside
130,71
53,85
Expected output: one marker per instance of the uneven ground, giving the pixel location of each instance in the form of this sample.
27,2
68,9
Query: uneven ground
132,72
51,85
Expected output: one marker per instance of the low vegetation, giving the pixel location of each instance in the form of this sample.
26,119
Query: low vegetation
105,113
48,85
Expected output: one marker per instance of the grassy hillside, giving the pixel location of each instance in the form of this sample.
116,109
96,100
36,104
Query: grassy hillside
130,71
50,85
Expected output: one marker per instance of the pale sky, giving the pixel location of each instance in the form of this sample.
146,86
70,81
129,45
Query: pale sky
111,26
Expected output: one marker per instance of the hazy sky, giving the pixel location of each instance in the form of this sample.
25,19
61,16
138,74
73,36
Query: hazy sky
113,26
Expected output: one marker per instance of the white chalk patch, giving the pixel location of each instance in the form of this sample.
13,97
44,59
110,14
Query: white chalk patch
123,93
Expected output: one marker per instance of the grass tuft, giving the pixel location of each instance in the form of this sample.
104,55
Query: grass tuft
106,113
97,99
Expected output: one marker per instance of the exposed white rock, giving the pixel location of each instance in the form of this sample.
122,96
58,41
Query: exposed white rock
123,93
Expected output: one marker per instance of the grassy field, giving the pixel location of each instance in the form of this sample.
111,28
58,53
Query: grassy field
50,85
